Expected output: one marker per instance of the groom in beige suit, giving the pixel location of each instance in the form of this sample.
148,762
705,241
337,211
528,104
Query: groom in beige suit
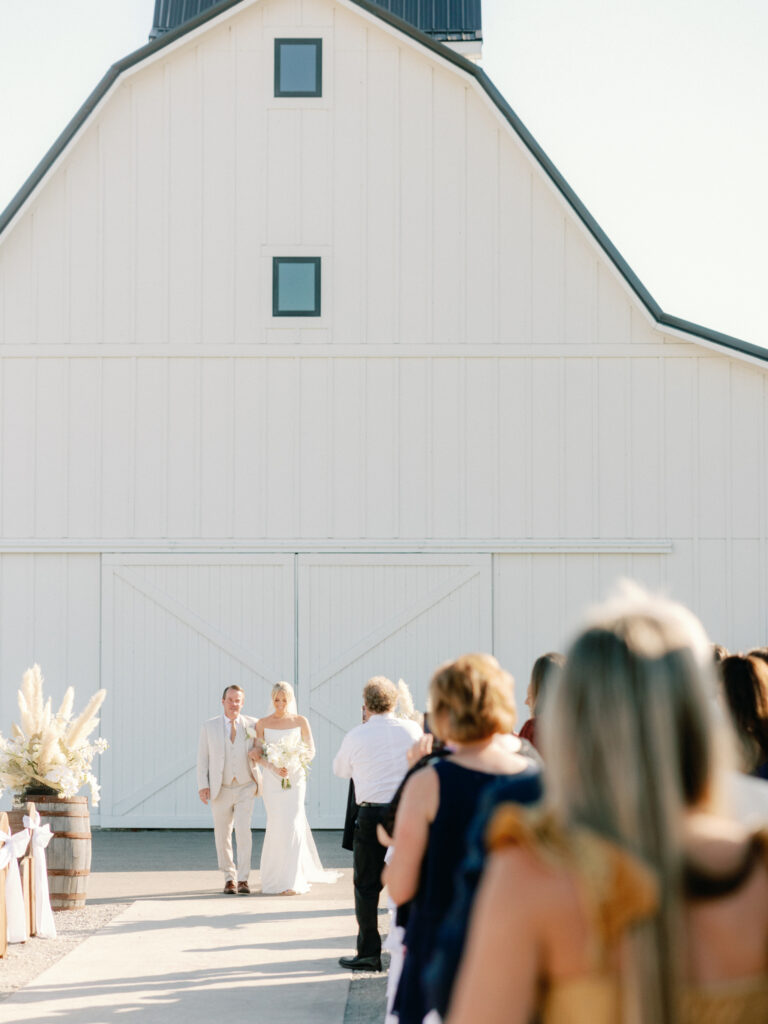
224,779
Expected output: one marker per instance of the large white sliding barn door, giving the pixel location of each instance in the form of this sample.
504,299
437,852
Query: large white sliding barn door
175,630
393,615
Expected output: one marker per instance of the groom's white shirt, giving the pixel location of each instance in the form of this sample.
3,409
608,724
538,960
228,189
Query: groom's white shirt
212,750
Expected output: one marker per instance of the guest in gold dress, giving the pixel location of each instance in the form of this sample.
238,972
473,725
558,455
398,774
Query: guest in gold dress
631,897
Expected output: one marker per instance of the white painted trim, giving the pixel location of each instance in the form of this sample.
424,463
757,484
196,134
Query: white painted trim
244,547
313,350
718,348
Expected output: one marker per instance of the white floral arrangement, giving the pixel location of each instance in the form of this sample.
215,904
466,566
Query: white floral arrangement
290,752
51,750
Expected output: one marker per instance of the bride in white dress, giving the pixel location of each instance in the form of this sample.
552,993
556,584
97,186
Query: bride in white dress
289,857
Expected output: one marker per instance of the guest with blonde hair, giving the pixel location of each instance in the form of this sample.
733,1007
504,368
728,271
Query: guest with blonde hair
631,897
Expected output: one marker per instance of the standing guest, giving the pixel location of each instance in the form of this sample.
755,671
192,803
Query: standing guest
373,755
745,687
630,897
544,670
471,709
224,779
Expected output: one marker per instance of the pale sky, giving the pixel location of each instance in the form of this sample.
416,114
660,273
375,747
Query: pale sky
654,111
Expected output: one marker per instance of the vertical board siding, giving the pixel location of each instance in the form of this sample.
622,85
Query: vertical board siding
580,287
746,427
51,267
51,457
448,201
19,415
183,449
647,427
150,513
547,265
120,159
451,447
515,273
415,209
152,182
382,157
184,196
378,615
199,623
81,515
83,271
481,220
218,212
577,419
680,420
49,613
614,447
613,311
434,222
413,456
714,447
546,448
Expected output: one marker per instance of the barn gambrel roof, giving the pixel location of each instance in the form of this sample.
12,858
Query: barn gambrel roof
205,10
455,20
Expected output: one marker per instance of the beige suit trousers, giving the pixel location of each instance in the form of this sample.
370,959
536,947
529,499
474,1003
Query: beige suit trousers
233,806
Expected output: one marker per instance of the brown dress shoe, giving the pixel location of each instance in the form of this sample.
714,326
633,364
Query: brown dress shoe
244,888
230,888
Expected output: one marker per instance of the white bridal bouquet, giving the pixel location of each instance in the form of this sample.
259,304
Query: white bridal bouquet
50,751
290,752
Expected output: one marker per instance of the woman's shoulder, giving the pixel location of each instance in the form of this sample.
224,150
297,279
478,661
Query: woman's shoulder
421,787
618,886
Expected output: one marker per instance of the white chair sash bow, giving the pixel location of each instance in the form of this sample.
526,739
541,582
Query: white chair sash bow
11,848
41,836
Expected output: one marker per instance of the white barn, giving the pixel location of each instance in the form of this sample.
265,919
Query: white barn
321,386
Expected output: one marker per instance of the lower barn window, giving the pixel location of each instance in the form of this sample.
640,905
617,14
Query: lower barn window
296,286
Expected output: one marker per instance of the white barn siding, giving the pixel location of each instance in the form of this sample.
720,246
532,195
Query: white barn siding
203,492
49,613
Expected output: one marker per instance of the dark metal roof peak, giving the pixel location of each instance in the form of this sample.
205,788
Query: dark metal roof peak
444,20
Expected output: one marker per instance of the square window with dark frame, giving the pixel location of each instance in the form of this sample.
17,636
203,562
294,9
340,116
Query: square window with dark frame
298,67
296,286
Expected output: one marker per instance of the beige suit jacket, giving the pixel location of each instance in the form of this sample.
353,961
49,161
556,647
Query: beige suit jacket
210,754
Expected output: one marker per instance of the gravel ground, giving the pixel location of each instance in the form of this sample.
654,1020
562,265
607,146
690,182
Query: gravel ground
25,960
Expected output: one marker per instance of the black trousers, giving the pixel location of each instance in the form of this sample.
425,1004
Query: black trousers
368,863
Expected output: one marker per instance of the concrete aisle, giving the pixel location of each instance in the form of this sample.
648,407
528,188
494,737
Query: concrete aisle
184,952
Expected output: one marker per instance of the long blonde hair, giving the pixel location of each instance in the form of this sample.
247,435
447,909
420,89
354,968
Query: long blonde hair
629,739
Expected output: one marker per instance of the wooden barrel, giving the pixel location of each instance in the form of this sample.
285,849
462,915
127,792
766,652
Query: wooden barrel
68,854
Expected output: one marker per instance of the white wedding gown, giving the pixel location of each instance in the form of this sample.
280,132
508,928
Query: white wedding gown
289,857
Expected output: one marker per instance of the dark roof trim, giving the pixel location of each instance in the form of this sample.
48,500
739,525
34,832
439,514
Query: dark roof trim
726,341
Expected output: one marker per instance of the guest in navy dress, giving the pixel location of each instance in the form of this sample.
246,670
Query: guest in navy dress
472,706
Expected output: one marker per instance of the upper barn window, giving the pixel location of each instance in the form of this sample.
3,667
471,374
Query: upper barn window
298,67
296,286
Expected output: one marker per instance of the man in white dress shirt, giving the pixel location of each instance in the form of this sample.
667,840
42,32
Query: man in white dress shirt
374,756
224,779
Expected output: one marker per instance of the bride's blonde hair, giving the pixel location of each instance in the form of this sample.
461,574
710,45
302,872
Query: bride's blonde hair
287,689
631,743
